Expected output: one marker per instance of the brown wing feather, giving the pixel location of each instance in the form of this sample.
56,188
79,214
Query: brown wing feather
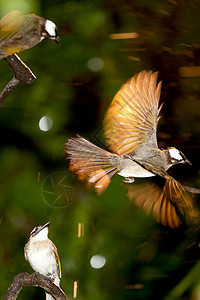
10,24
90,163
11,40
166,203
133,114
57,259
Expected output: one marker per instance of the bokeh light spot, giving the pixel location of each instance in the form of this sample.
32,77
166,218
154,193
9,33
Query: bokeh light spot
97,261
95,64
45,123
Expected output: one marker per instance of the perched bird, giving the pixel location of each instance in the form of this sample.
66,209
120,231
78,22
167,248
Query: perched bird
19,32
42,255
130,126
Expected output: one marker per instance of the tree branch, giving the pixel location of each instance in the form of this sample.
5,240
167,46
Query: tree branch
22,73
35,279
21,70
11,85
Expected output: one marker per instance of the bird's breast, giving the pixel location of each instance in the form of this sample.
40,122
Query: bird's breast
42,258
130,168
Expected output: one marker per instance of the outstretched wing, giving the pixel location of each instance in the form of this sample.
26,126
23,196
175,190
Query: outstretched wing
167,202
131,120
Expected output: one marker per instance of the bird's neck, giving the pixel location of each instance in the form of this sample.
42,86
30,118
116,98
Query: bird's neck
41,236
167,159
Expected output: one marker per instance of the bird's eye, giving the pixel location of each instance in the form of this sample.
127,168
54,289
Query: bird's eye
34,230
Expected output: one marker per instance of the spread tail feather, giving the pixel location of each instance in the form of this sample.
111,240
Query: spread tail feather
90,162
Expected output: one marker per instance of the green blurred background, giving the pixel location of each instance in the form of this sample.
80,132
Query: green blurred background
75,84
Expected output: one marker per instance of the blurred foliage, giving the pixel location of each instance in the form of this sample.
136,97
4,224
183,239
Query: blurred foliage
143,259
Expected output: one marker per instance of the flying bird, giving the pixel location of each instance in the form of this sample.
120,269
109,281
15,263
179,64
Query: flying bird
19,32
42,255
130,129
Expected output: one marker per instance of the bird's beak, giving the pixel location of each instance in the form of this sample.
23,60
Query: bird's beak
57,40
45,225
188,162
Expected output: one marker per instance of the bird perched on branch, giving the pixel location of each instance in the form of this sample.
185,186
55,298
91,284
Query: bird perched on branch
42,255
19,32
130,126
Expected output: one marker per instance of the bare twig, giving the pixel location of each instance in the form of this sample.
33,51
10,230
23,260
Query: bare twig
8,89
22,73
35,279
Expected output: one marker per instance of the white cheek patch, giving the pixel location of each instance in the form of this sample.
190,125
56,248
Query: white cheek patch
50,27
174,153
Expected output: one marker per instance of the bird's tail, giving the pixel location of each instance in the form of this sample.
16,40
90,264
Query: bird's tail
91,162
56,282
49,297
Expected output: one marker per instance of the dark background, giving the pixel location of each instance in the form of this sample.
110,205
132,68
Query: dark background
143,259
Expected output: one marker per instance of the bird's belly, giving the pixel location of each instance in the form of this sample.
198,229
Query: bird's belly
43,262
135,170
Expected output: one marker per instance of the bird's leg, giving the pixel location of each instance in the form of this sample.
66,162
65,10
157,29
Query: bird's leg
128,179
